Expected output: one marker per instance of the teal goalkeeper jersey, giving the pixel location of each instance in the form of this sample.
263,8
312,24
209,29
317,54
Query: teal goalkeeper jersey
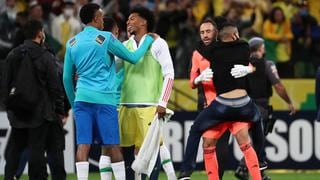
90,54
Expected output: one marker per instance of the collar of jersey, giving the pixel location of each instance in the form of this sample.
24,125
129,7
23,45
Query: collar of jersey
90,28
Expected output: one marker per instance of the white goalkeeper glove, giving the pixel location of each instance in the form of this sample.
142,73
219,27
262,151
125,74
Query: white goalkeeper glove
239,70
205,75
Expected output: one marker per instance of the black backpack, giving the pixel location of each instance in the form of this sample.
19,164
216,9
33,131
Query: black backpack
24,88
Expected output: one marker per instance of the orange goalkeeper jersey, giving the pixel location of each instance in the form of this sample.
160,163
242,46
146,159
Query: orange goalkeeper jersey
199,64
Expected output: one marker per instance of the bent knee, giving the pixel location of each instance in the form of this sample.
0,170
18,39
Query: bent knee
242,136
209,142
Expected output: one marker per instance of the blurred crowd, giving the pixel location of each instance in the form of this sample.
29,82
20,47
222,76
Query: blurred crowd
291,30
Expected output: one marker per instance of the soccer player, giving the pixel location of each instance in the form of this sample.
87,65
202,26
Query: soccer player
231,103
90,55
146,86
109,24
201,75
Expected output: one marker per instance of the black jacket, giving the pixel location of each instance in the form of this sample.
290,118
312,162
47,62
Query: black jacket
51,102
259,84
223,56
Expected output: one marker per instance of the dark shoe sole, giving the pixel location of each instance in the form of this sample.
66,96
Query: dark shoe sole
240,177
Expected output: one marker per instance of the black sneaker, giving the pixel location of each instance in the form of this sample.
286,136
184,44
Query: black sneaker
242,173
184,175
263,165
264,176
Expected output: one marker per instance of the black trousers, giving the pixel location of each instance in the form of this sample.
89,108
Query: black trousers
35,140
259,131
55,145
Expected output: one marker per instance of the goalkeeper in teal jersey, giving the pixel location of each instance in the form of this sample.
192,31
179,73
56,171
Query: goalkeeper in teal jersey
90,54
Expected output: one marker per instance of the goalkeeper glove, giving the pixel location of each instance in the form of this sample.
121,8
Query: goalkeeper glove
239,71
205,75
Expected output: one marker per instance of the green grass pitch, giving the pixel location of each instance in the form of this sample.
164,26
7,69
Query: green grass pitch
200,175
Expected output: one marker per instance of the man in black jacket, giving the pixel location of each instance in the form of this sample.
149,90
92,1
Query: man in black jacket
31,129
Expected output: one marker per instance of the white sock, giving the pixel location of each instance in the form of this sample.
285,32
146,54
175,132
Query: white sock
166,162
82,170
137,176
105,168
119,170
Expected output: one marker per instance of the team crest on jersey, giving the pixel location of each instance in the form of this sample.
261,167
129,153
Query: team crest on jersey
100,39
73,42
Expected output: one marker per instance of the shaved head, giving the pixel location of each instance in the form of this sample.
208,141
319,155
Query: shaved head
228,32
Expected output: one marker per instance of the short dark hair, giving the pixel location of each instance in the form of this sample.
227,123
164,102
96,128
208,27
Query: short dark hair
209,20
32,28
171,1
23,14
67,3
220,21
109,23
88,11
145,14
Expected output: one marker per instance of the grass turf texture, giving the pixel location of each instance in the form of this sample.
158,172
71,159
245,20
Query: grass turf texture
200,175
